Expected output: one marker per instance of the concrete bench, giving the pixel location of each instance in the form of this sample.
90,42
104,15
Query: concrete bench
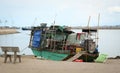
7,50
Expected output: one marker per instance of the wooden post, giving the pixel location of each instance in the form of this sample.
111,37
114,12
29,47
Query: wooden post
98,27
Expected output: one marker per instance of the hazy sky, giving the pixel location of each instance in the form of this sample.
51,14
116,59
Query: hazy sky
64,12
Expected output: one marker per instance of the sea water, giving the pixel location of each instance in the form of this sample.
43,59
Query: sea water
109,42
19,39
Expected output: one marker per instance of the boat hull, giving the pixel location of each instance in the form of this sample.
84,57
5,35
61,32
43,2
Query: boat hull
49,55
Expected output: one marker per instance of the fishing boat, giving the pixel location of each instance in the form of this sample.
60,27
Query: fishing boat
26,28
61,43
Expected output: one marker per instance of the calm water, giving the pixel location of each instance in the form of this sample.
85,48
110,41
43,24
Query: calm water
20,39
109,42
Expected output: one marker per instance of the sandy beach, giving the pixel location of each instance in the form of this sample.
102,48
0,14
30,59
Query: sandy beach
7,31
33,65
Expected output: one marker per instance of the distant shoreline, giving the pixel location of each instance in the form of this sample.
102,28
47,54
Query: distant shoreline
101,28
4,31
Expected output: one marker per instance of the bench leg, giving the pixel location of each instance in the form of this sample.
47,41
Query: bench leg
10,58
19,58
15,58
7,57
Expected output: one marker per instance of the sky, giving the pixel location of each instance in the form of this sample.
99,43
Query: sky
63,12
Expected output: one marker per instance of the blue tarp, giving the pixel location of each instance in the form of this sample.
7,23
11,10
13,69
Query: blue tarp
36,38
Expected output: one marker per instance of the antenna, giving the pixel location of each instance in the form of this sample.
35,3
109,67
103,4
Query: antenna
55,18
34,21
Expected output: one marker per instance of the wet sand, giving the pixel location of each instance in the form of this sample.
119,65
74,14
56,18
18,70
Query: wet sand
32,65
7,31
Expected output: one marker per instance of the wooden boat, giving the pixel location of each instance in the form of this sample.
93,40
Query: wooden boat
60,43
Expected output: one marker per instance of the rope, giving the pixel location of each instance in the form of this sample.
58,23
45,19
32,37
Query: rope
24,49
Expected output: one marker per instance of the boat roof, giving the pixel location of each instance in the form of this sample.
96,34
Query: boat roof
89,30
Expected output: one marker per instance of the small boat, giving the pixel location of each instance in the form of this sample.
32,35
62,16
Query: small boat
25,28
61,43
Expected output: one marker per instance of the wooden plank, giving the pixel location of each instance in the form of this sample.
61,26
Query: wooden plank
74,57
10,49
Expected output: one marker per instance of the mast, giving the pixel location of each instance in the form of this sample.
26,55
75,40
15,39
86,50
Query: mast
98,27
88,26
53,32
88,33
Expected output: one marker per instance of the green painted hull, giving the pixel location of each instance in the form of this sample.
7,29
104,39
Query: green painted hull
49,55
